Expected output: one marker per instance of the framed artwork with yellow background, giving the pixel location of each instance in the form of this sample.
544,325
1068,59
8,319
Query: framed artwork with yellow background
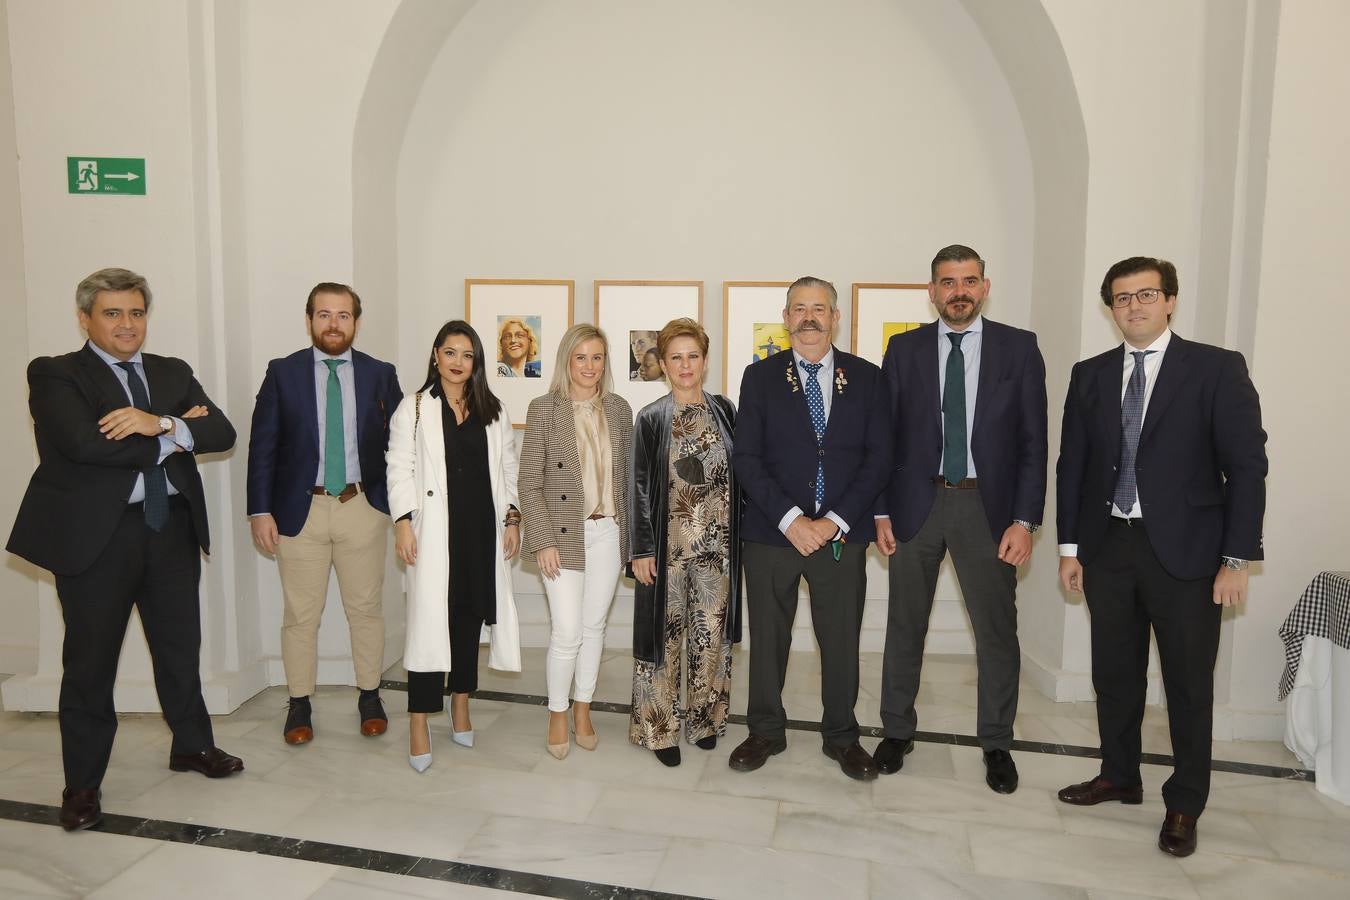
882,310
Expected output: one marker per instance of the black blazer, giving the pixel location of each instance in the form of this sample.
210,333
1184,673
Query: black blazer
649,516
283,444
776,450
1008,441
83,480
1201,465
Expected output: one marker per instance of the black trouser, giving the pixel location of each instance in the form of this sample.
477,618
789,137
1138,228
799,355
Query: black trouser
426,690
837,589
1128,591
956,524
157,572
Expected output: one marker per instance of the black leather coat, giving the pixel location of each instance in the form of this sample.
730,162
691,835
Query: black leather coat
649,515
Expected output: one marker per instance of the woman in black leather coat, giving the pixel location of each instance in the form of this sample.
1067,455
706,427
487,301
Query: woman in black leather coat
684,543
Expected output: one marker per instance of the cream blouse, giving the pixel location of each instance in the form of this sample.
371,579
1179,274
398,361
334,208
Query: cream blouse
597,461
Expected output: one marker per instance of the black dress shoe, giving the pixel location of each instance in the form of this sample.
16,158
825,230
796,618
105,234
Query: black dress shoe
1099,790
669,756
1000,772
80,809
890,754
707,743
1178,835
373,720
299,727
853,760
212,762
753,752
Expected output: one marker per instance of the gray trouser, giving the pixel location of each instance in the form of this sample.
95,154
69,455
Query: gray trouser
957,523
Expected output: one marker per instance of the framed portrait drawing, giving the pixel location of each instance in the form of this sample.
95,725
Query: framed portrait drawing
520,323
752,328
881,310
631,314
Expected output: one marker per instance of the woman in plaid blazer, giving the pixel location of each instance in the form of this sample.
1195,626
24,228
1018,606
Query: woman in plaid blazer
574,498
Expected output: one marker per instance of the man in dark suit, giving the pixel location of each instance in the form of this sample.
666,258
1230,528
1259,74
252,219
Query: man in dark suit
968,418
317,497
116,512
812,453
1162,490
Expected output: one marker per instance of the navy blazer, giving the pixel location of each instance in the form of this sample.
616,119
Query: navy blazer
1201,465
776,454
1008,441
283,448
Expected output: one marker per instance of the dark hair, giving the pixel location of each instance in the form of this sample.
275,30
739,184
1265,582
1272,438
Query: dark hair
482,401
1136,264
332,287
953,253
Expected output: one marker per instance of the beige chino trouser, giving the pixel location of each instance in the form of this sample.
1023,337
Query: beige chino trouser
350,537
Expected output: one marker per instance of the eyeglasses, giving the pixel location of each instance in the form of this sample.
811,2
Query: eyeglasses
1147,295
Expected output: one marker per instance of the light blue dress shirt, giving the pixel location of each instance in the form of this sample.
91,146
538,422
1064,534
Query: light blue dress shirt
347,382
970,348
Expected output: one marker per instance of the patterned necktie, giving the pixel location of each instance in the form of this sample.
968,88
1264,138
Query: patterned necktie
334,450
954,413
156,506
1131,421
815,404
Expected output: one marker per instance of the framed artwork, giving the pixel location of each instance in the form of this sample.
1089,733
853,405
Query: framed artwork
521,324
882,310
631,314
752,328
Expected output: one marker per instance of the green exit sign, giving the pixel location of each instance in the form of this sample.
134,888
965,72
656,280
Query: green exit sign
105,175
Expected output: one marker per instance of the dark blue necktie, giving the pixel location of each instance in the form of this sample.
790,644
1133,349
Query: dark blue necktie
156,504
954,413
1131,422
815,404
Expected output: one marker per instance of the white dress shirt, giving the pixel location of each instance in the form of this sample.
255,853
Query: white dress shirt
825,378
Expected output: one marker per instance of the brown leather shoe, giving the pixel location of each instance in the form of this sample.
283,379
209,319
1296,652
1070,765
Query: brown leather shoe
854,761
212,762
80,809
753,752
299,727
373,720
1178,835
1099,790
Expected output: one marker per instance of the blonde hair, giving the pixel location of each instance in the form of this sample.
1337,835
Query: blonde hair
573,338
531,352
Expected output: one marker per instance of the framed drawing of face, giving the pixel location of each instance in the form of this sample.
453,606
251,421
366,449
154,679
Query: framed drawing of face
632,314
520,323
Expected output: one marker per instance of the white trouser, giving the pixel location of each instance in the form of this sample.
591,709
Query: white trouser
578,603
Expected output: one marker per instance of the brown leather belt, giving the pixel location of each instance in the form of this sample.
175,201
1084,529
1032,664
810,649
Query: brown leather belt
964,484
348,492
594,516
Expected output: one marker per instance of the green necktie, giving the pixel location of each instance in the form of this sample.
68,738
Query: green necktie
954,413
334,451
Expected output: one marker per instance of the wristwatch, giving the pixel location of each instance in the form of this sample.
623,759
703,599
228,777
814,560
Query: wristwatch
165,424
1030,527
1237,565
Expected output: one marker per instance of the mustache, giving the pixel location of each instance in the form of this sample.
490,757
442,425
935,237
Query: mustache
961,297
808,325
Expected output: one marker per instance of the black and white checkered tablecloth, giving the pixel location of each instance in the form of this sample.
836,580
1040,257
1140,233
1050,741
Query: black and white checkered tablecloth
1323,611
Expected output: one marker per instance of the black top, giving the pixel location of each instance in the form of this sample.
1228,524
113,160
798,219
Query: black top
473,518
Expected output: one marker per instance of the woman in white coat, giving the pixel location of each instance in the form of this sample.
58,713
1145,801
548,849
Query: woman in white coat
452,469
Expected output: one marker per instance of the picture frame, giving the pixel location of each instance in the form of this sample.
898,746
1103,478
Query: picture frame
631,313
521,323
750,312
881,309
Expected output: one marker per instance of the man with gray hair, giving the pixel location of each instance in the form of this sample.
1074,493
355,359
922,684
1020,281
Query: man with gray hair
116,512
812,454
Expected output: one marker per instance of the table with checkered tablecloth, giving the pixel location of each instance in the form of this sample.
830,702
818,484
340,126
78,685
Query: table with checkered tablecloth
1316,681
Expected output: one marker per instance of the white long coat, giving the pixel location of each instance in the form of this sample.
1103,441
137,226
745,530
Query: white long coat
416,476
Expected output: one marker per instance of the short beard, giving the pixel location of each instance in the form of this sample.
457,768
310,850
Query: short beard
321,336
951,320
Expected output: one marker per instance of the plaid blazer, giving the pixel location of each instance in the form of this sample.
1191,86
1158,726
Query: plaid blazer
550,487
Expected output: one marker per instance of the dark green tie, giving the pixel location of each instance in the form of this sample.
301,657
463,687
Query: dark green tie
954,413
334,451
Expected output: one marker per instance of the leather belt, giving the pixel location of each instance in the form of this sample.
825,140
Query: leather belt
593,516
964,484
1127,522
351,490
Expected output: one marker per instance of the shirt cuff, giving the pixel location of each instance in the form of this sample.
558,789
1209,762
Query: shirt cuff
880,516
1068,550
843,526
788,519
1233,558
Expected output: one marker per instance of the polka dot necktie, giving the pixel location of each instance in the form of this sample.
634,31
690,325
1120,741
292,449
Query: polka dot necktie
815,404
1131,422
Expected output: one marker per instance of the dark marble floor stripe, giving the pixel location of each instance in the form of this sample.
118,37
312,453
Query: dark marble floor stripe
931,737
337,855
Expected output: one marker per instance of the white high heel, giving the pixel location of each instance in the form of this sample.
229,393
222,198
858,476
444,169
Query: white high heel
463,738
422,761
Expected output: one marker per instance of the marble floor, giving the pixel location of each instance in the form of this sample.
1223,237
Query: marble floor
345,817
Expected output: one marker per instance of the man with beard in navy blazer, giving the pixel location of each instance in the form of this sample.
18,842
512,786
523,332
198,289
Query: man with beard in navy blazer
1162,490
968,415
812,453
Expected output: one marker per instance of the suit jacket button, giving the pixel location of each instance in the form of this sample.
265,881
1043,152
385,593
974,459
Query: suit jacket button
429,493
560,465
563,529
564,496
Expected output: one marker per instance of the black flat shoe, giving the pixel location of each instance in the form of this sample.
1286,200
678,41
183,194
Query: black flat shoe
707,743
669,756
